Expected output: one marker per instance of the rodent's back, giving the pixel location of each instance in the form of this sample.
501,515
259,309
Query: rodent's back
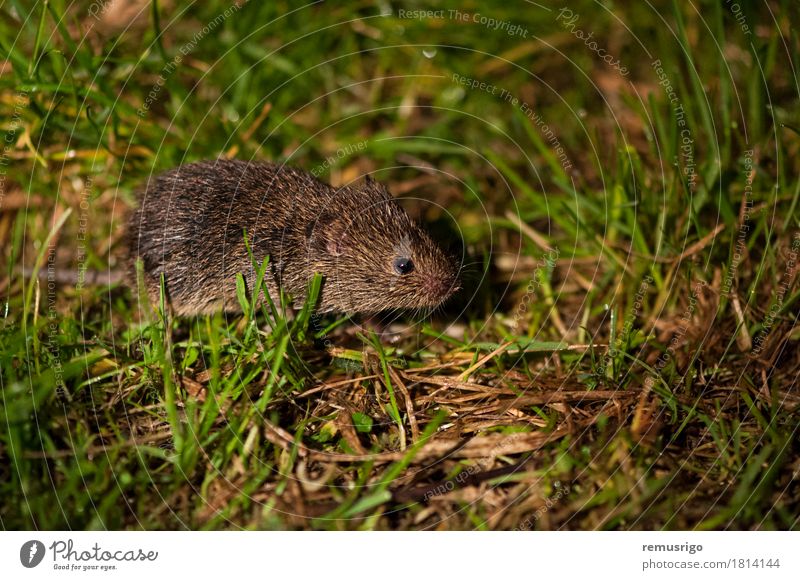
191,220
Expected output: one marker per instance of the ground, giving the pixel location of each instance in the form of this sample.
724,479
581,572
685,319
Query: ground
619,179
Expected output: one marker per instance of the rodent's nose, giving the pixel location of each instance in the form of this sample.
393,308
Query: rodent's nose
440,287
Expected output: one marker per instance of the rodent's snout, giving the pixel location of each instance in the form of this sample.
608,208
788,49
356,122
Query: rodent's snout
441,287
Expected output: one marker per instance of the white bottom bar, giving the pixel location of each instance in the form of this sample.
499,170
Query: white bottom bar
406,555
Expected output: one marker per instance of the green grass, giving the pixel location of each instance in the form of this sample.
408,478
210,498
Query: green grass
504,410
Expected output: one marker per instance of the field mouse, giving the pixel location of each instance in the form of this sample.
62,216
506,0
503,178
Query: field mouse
190,226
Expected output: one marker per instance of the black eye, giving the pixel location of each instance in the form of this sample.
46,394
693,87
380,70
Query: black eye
403,265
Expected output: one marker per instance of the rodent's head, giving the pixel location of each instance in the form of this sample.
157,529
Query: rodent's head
374,257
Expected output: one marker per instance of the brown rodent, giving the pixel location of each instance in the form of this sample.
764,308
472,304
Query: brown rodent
190,227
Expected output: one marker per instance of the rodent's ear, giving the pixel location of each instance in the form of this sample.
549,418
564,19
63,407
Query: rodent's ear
334,244
328,233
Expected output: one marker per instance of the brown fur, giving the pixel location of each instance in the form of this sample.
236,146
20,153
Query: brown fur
190,224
